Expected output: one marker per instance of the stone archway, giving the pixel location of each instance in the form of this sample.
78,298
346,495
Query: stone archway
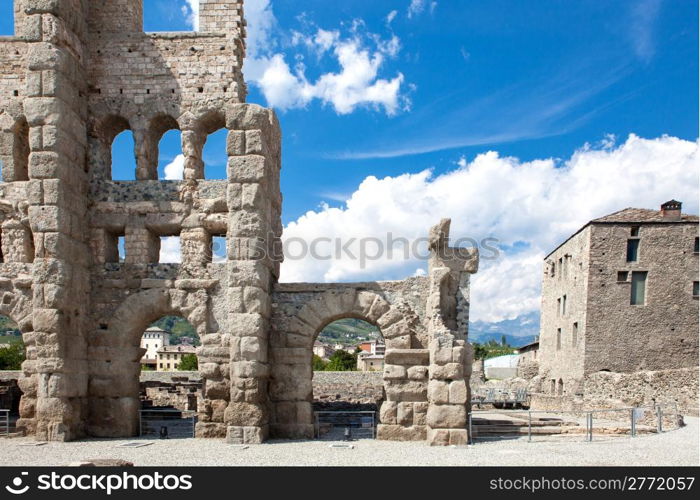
291,389
116,354
18,308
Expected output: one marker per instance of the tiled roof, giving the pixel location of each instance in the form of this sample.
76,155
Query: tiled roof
632,215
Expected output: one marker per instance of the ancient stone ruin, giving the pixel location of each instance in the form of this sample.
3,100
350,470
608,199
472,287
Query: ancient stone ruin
76,74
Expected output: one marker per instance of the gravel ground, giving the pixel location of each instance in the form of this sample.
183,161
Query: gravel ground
679,447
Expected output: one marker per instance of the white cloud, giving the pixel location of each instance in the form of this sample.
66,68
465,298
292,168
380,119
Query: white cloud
175,170
641,28
359,57
529,206
170,250
416,7
191,13
391,15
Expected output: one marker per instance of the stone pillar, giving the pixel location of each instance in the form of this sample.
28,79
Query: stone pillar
253,148
447,308
56,115
142,245
192,147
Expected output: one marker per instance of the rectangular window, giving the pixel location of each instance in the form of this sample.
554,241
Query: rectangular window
553,269
561,266
558,339
639,284
696,246
632,250
634,231
574,334
558,307
622,275
696,288
563,305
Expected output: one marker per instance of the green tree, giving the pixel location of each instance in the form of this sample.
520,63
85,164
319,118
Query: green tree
318,364
188,363
342,361
11,357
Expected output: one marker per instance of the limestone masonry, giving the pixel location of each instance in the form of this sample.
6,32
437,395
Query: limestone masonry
76,74
621,296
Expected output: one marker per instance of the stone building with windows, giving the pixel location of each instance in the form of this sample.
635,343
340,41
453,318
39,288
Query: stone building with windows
620,295
169,357
153,339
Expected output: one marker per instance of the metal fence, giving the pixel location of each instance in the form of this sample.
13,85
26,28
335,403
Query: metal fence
167,423
582,425
501,398
4,422
343,425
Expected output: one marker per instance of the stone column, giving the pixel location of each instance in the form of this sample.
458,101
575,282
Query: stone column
192,146
56,115
253,148
447,308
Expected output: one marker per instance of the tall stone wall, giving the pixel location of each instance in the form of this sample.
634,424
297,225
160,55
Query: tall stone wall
565,273
662,333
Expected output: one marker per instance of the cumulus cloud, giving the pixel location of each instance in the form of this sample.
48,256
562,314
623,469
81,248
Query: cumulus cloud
175,170
170,250
191,13
529,207
358,57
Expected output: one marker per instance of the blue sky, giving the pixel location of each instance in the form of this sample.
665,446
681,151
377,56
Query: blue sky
521,120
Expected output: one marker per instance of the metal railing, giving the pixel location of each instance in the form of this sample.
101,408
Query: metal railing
497,397
609,422
4,422
167,423
341,425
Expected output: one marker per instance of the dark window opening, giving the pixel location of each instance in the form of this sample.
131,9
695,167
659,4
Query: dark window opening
696,246
558,339
634,231
638,294
696,288
632,250
622,276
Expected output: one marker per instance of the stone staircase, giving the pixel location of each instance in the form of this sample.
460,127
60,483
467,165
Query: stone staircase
512,425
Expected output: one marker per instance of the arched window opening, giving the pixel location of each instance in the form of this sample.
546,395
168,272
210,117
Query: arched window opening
123,157
12,354
214,155
171,161
185,18
169,402
347,344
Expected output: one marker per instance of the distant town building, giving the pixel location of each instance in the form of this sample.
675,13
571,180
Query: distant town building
621,295
528,352
152,340
371,355
169,357
323,351
367,362
372,347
